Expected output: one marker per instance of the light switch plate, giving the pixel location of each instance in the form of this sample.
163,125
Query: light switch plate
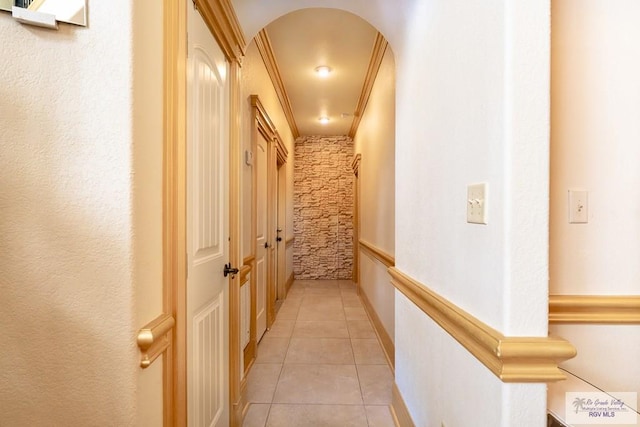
477,203
578,206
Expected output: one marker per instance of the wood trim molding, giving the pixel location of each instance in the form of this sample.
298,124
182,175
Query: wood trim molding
174,266
377,55
222,21
289,241
289,282
355,163
281,149
399,410
235,256
266,52
244,274
594,309
377,253
262,120
154,338
512,359
384,338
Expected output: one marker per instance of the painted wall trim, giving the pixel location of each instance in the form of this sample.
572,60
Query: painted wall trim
377,253
355,163
154,338
244,274
174,267
266,52
377,54
399,410
512,359
222,21
289,282
594,309
387,343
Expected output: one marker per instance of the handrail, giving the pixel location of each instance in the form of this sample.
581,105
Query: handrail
153,338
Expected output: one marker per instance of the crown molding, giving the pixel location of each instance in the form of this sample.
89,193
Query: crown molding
594,309
225,27
266,52
511,359
377,55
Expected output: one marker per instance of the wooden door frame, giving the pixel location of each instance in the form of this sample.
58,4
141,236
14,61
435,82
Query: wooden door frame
277,153
223,24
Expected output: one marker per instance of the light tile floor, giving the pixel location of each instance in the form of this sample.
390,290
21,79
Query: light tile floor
320,364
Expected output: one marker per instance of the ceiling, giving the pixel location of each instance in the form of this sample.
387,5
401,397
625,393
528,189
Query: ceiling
305,39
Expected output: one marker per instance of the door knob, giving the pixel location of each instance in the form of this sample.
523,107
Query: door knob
229,270
278,239
267,245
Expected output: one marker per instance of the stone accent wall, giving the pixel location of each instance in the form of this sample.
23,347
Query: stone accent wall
323,208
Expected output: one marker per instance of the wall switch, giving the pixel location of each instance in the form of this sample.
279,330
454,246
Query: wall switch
477,203
578,206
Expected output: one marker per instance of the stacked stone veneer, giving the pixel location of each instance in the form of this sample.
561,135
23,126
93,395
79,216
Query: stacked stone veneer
323,208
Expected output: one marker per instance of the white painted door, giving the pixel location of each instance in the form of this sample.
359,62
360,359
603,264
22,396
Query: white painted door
261,163
207,228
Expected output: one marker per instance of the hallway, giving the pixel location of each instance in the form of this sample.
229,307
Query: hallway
321,363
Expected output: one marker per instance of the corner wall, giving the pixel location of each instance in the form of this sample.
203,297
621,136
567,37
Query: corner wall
256,81
323,208
375,141
594,146
472,106
67,250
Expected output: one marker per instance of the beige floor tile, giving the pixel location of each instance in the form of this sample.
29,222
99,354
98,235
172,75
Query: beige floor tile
289,312
272,350
317,416
318,384
281,328
320,350
321,329
335,292
346,284
321,313
355,313
379,416
262,381
321,301
367,351
376,382
321,284
351,301
256,415
293,301
360,329
350,291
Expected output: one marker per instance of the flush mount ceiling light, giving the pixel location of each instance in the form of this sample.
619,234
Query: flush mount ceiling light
323,71
324,120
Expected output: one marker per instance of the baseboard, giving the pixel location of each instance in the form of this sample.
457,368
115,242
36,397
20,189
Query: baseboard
287,285
399,410
383,336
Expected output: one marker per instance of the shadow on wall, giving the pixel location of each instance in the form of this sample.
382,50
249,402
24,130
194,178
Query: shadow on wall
323,208
65,289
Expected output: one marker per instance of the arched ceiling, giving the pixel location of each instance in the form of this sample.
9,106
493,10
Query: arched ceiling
304,34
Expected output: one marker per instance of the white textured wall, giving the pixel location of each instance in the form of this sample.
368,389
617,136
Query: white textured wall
472,107
147,192
594,146
375,141
67,258
256,81
472,104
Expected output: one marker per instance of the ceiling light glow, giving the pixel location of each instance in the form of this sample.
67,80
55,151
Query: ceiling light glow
323,71
324,120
